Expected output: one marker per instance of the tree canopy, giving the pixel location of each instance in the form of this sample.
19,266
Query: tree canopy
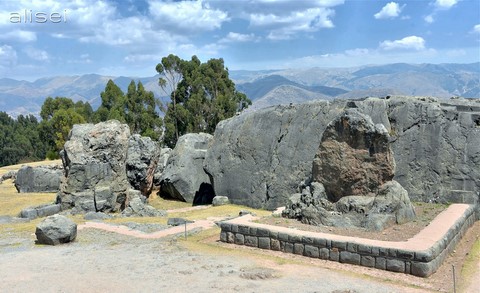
201,94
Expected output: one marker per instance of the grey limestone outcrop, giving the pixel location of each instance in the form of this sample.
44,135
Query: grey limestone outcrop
183,177
258,158
94,159
143,156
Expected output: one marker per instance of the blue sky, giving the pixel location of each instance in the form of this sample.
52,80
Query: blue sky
125,37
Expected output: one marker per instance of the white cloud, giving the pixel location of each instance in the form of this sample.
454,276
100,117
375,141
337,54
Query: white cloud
429,18
187,16
445,4
476,29
35,54
8,56
233,37
390,10
19,35
407,43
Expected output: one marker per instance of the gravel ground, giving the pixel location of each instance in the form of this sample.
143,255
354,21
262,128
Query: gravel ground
100,261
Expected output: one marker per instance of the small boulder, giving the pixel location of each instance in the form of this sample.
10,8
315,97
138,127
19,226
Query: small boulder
220,201
55,230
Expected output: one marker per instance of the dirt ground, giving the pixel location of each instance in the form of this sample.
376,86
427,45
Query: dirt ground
101,261
425,213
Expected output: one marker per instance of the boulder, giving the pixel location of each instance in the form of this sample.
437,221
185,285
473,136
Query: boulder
94,159
220,201
55,230
184,178
258,158
136,206
354,157
142,159
38,179
9,175
352,179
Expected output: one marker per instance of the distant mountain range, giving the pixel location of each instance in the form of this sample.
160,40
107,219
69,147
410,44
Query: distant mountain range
268,87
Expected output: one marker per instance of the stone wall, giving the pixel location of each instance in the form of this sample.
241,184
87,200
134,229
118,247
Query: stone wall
421,255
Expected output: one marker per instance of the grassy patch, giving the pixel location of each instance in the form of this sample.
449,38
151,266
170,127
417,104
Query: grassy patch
5,169
164,204
12,202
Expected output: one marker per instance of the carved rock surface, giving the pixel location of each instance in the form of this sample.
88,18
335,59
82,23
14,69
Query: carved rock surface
94,159
258,158
142,158
354,157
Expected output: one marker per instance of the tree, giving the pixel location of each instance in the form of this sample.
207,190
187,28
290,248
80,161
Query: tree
112,106
170,75
204,96
59,115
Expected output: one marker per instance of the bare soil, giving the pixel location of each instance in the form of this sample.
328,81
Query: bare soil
425,212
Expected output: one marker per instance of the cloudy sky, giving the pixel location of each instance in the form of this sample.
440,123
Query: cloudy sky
126,37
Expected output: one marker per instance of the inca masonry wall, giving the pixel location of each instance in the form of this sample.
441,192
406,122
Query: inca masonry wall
421,255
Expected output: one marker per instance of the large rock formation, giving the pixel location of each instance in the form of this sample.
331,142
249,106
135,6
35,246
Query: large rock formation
354,157
142,159
258,158
38,179
94,159
352,179
184,178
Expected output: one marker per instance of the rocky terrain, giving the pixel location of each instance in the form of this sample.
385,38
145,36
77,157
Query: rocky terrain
261,158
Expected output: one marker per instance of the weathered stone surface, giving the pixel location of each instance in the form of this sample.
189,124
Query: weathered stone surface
354,157
94,165
40,211
143,156
220,201
162,163
258,158
38,179
352,179
184,178
9,175
94,216
177,221
136,206
55,230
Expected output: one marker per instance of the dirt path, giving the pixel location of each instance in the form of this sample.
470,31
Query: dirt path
124,230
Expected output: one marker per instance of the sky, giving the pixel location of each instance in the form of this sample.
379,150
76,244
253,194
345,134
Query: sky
126,37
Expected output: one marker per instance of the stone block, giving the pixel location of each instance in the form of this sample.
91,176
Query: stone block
264,242
334,254
367,261
288,247
251,241
352,247
349,257
275,244
421,269
307,240
311,251
230,237
324,253
261,232
396,265
380,263
298,248
239,239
